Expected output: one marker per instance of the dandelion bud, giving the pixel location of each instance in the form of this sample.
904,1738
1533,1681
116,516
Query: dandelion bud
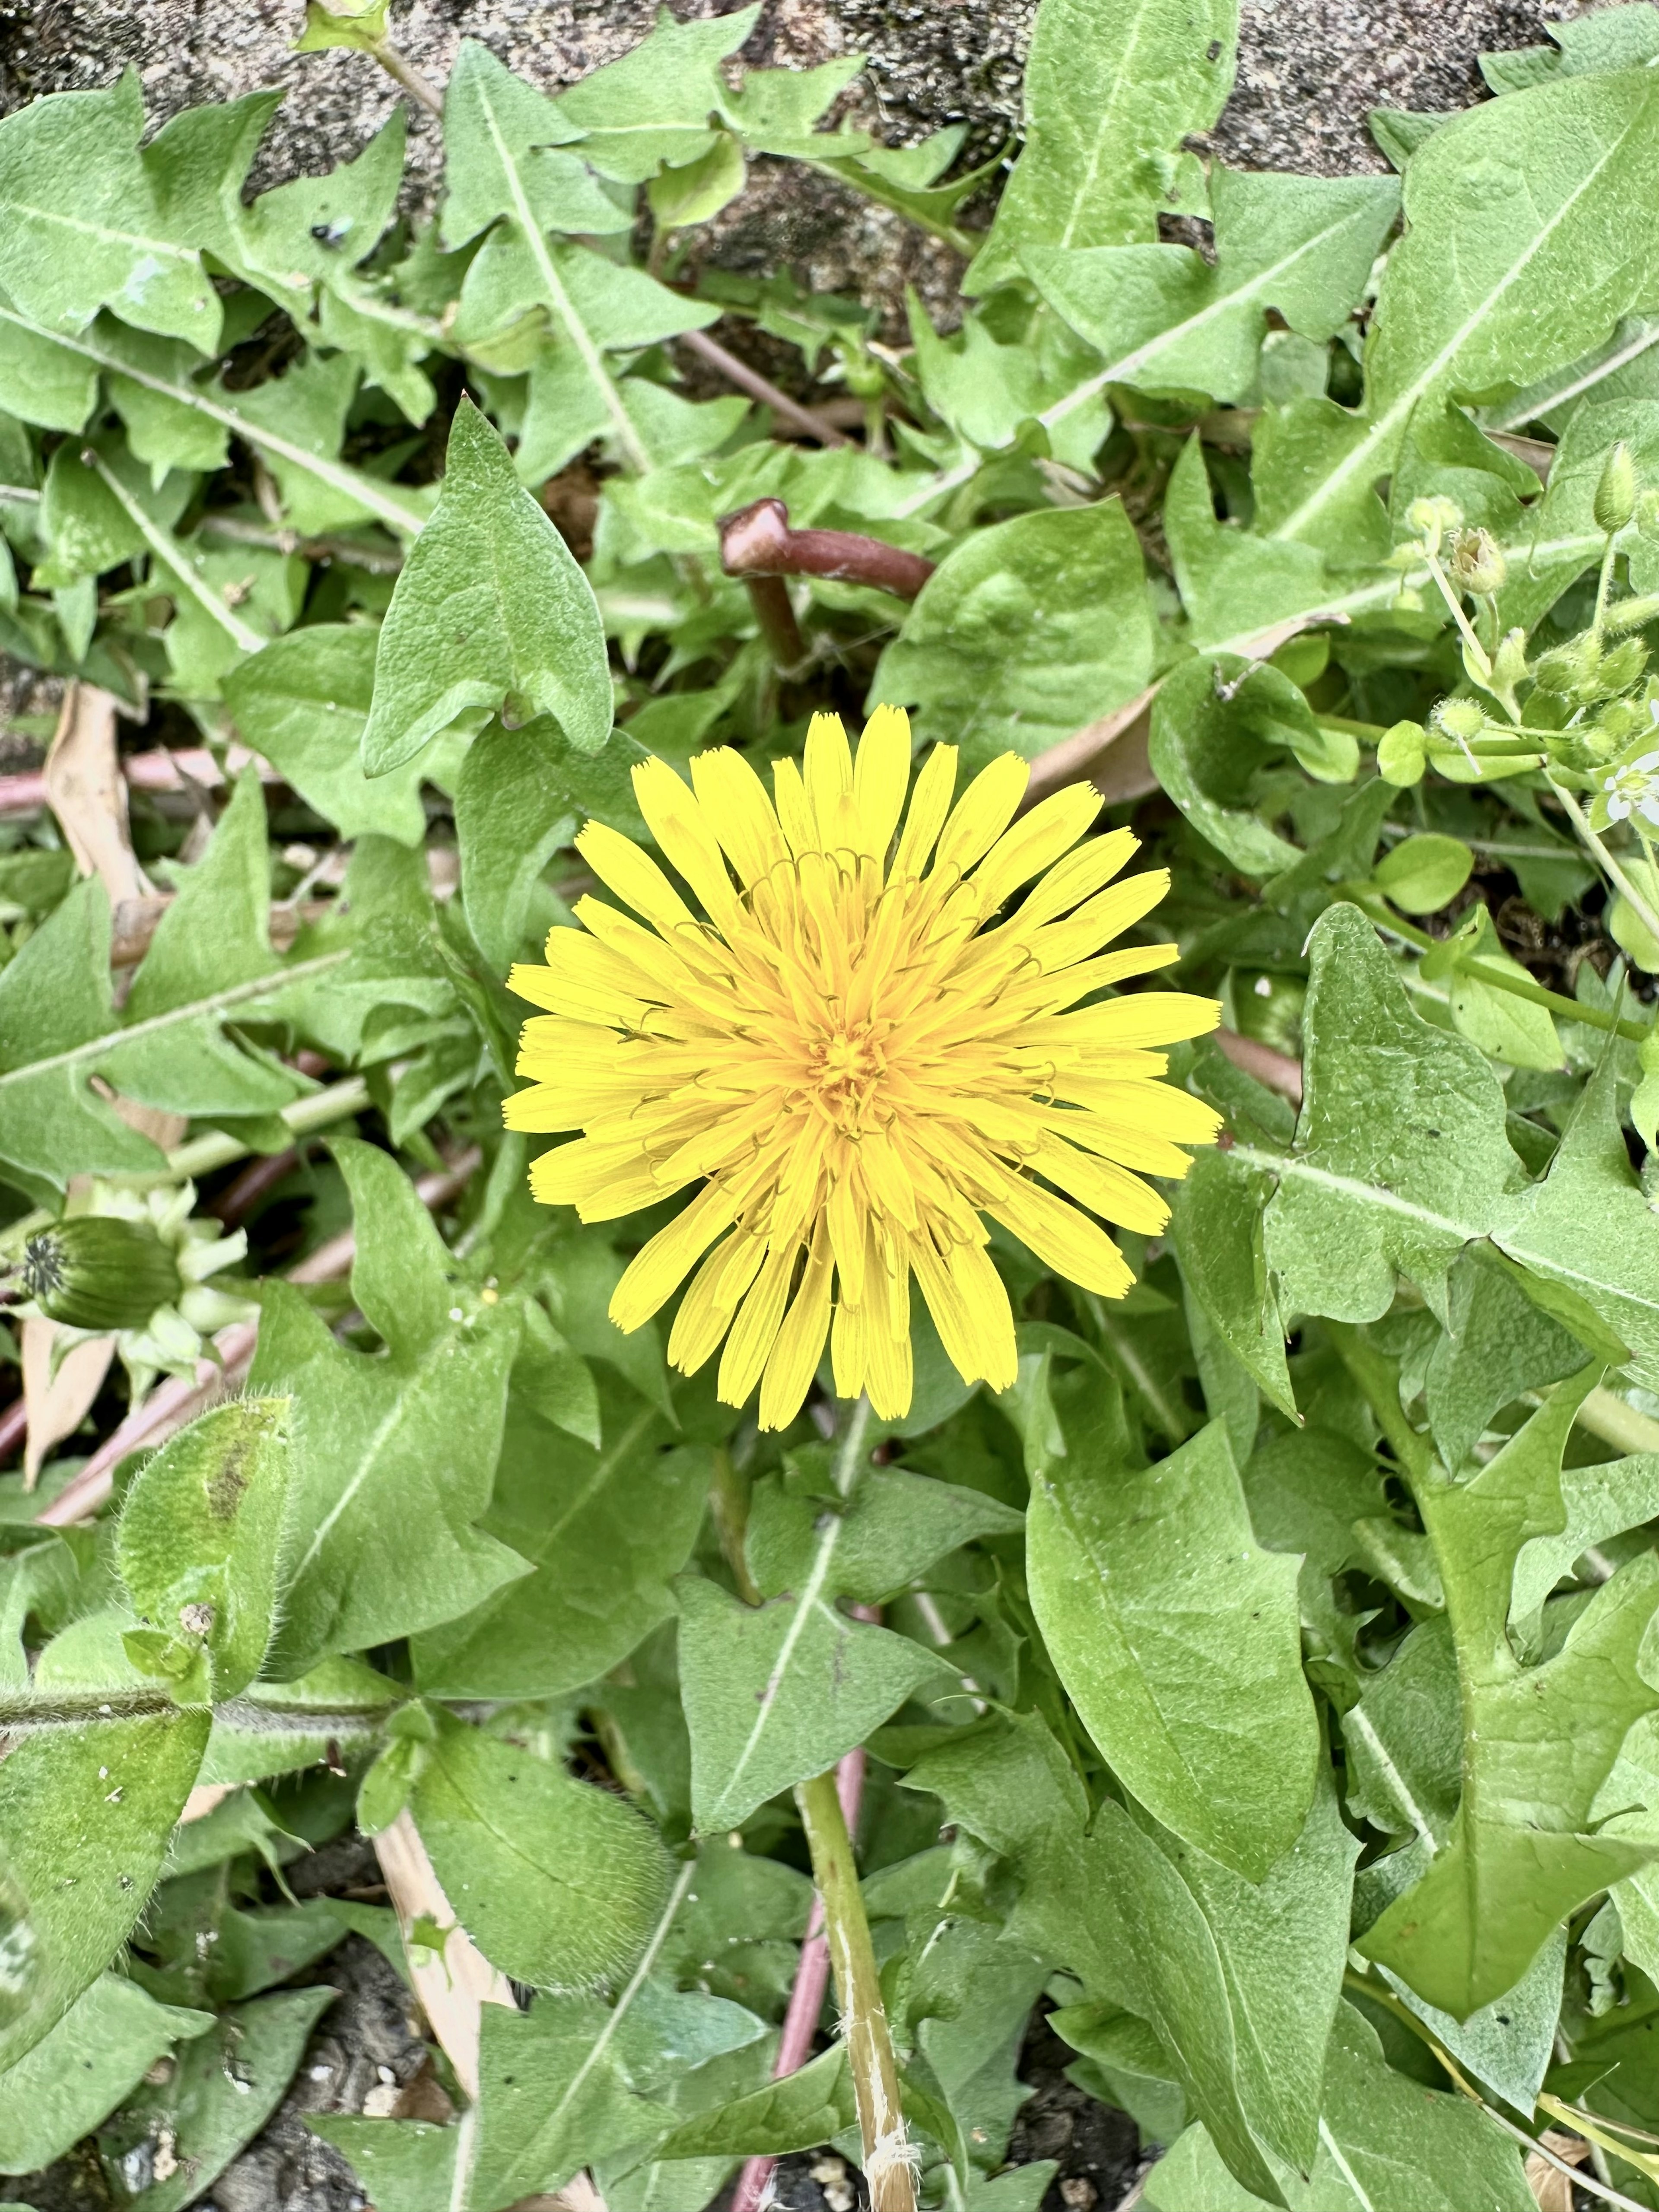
1400,754
1478,562
1615,496
97,1272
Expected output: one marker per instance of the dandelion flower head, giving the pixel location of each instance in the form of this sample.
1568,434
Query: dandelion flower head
858,1062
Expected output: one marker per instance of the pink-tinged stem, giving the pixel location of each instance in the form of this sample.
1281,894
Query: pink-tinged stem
158,769
180,1398
13,1427
801,2021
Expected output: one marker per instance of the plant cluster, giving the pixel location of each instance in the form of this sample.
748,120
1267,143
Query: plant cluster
1253,1660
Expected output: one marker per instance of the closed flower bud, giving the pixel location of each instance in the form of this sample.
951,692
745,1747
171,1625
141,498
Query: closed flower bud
1399,754
1624,664
1615,495
1632,614
1462,719
1432,518
99,1273
1509,663
1478,562
1569,667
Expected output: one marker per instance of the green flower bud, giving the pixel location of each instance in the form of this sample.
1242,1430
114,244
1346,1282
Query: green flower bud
1624,665
1569,667
1401,753
1432,518
1478,563
1462,719
1615,496
1509,663
1632,614
96,1272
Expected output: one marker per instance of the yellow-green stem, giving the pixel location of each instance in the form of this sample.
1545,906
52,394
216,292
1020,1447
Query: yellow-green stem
887,2166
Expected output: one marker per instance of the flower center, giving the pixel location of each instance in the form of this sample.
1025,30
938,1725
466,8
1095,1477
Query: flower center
844,1068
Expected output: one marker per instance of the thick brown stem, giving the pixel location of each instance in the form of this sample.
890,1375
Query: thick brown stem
777,618
757,541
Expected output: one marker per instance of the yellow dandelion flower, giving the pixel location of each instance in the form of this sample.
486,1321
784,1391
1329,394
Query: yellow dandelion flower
856,1068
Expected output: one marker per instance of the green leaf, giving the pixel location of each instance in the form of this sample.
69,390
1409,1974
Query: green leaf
776,1693
1509,2044
41,381
513,812
1164,319
199,1538
392,1456
226,2085
309,231
555,2097
812,2105
1539,1740
1025,631
1241,1980
1214,723
1386,2144
1401,1155
653,105
304,704
1423,873
489,610
605,1529
99,2051
894,1528
1176,1637
558,1883
1498,1344
497,129
1599,1501
1217,1226
86,1812
1109,95
80,225
405,2166
1514,257
1508,1027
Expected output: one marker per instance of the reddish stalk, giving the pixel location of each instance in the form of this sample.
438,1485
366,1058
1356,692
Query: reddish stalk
750,381
180,1398
156,770
757,541
13,1427
806,1996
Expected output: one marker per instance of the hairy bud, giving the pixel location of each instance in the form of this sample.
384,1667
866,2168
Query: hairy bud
96,1272
1477,562
1615,495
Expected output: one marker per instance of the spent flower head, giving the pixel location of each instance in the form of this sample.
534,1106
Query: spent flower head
857,1065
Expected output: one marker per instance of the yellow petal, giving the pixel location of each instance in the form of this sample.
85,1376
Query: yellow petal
735,804
795,1355
755,1331
982,814
1103,1187
1077,878
707,1309
794,810
881,775
682,829
848,1341
827,767
1101,918
1061,1237
634,877
1142,1018
659,1268
930,803
1051,828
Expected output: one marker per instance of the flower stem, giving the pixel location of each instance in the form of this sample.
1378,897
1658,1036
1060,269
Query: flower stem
1642,907
887,2166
